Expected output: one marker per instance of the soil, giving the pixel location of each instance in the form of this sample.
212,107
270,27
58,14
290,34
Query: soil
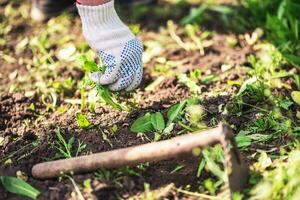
29,135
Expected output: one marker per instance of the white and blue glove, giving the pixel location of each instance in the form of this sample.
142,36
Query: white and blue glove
120,51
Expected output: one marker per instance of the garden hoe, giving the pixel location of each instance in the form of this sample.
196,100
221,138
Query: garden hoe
235,167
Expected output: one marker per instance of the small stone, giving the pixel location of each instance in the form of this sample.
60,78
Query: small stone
13,75
21,175
1,141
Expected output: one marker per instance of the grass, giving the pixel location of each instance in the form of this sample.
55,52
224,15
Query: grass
263,101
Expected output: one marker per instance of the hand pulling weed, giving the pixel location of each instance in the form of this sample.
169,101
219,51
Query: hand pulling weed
103,92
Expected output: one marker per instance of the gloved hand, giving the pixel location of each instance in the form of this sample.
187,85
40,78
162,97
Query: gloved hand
120,51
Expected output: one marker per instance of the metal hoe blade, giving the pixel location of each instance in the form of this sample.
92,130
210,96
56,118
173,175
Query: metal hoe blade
238,171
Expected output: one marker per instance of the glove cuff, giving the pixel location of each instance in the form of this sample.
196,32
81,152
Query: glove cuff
103,29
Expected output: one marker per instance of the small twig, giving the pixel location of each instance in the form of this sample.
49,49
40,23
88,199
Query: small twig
77,190
205,196
15,152
175,37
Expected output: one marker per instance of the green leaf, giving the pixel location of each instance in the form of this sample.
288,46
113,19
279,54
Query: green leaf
157,136
142,124
201,167
82,120
209,79
106,96
168,129
195,15
178,168
293,7
245,84
70,143
66,155
88,65
213,166
296,96
175,111
18,186
243,141
295,60
285,104
158,121
190,83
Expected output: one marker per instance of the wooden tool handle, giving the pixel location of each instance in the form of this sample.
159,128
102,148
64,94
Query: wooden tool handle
129,156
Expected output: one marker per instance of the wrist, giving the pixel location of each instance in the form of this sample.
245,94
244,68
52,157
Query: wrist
103,28
92,2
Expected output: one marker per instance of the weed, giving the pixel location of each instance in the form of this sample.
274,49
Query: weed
66,148
149,122
296,97
282,182
82,121
264,112
228,16
281,19
190,82
102,91
155,122
115,176
177,169
296,79
188,114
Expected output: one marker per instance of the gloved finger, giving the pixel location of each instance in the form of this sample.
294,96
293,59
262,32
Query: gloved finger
112,72
123,82
136,62
129,67
136,80
95,77
127,75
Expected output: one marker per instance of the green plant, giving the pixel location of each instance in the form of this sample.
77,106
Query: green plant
188,114
296,97
285,103
282,21
18,186
282,181
190,82
66,148
229,16
155,122
82,121
149,122
213,160
175,112
142,124
115,176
